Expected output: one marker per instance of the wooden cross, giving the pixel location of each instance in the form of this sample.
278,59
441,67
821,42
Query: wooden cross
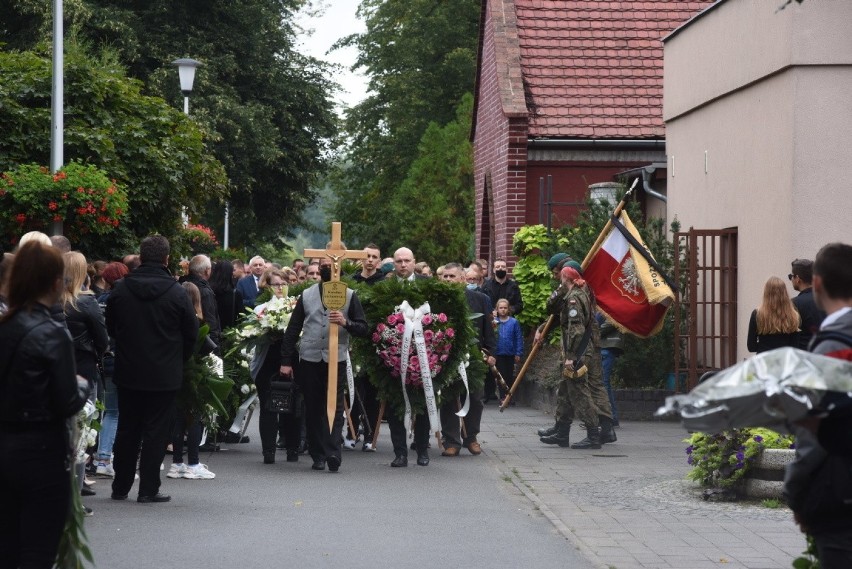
334,298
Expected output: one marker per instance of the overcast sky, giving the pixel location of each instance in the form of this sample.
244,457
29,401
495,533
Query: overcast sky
336,21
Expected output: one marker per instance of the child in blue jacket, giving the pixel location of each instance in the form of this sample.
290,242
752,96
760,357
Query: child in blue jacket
510,343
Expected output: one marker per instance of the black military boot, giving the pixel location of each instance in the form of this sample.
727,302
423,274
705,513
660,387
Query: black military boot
560,437
592,440
607,430
549,431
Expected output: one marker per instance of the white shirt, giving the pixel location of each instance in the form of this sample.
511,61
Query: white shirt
834,317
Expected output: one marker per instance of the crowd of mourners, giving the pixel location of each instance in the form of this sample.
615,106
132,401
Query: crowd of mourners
75,331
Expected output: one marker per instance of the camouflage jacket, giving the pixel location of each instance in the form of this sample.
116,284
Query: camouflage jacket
574,309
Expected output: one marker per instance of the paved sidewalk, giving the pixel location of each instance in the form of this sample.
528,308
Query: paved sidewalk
628,505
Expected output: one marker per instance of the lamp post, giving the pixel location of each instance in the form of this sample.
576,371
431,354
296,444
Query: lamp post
186,72
57,118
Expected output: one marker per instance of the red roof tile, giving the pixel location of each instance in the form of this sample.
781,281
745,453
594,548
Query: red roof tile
594,68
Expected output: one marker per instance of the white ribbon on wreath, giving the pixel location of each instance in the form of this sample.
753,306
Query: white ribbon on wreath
350,381
414,329
463,375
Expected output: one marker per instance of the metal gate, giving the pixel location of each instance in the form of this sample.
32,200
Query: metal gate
706,315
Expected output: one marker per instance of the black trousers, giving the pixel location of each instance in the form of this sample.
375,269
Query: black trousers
37,494
144,422
365,410
312,378
450,422
506,366
834,549
399,436
270,424
194,430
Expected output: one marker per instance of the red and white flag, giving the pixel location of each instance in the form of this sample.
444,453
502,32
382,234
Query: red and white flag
629,292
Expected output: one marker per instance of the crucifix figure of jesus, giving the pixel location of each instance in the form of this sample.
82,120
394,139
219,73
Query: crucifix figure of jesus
334,298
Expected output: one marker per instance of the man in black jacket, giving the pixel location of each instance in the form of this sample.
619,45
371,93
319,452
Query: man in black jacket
153,323
501,286
801,277
479,304
199,273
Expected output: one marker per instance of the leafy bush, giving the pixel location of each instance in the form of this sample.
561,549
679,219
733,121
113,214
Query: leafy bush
724,458
90,205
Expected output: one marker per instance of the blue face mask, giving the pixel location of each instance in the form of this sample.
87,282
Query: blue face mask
471,286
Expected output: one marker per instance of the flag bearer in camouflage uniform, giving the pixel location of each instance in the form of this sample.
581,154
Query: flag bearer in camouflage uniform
576,396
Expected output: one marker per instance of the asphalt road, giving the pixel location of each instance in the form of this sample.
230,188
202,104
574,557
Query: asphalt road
456,512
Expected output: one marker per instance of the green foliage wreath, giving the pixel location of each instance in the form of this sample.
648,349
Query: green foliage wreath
380,301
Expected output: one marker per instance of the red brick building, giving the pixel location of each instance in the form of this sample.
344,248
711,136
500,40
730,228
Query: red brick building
572,90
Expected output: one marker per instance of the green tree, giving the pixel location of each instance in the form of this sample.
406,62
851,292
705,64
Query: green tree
433,208
268,108
420,56
148,146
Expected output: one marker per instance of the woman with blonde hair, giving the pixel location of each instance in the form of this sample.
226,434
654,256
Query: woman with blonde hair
84,318
775,323
85,322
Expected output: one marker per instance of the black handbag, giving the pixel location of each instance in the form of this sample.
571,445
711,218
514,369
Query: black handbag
283,397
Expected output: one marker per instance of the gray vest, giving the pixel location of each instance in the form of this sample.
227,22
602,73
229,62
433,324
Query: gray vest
314,343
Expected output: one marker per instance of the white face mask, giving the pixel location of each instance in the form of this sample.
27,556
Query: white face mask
471,286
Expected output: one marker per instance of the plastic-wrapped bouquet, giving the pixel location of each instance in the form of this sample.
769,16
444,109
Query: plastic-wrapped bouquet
266,323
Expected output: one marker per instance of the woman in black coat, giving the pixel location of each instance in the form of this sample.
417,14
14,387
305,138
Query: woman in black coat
38,392
775,323
229,301
84,319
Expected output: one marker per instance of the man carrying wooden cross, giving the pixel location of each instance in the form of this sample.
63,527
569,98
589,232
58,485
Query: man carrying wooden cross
326,315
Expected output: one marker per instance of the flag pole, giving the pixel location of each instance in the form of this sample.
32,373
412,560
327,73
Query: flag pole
551,319
608,226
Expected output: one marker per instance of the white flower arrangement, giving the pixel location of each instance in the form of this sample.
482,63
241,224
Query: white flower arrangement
265,322
86,435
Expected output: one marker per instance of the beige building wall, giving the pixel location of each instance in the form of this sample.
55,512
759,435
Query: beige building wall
758,110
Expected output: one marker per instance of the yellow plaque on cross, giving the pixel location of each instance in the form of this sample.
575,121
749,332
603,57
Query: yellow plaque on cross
334,295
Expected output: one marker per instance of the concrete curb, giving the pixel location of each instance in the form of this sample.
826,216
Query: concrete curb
560,526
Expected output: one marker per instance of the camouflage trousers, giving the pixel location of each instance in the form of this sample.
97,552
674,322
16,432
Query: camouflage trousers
584,398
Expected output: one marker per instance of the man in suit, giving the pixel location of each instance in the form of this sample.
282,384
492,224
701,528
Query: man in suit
249,285
403,270
403,266
801,277
478,303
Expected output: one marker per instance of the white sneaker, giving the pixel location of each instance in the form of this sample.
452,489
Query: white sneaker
368,447
198,472
349,443
177,470
105,470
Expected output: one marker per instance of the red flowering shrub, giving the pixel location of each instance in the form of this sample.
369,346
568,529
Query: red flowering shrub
81,196
201,239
